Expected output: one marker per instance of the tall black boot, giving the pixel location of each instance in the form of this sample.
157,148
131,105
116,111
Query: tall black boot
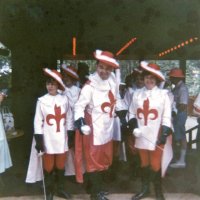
95,181
145,173
49,184
157,181
60,192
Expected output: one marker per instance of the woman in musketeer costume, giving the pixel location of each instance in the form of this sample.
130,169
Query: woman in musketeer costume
150,120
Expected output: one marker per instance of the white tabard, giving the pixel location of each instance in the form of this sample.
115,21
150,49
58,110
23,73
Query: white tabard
151,108
52,119
99,97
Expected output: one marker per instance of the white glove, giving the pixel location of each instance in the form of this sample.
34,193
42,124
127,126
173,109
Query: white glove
85,129
137,132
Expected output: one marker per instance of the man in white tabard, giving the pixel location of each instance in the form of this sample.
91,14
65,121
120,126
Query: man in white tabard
95,108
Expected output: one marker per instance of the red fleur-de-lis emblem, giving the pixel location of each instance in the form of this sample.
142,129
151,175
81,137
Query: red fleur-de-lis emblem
146,111
57,117
109,104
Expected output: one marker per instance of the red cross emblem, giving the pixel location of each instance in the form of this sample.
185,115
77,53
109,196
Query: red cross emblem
146,111
109,104
57,117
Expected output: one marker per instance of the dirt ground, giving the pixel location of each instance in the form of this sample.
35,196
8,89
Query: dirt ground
121,179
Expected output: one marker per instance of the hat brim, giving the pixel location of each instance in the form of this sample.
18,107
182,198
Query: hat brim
176,76
71,73
108,61
154,72
49,73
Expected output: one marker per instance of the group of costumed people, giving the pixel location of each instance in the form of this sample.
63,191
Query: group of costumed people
74,128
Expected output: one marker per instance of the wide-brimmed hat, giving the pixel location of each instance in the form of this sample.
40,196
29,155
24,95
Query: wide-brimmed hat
137,71
153,69
107,58
71,71
56,76
176,72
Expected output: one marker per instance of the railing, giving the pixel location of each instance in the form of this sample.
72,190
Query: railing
190,140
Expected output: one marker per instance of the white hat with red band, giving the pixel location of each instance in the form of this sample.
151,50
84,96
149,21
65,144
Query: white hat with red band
107,58
71,71
153,69
56,76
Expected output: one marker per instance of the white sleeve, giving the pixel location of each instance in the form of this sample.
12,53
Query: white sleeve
167,111
83,100
132,109
120,104
196,105
69,118
38,119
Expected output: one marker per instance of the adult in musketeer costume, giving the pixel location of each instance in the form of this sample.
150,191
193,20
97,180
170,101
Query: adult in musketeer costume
95,108
150,120
70,77
52,120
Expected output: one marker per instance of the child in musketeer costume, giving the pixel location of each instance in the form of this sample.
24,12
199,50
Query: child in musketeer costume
70,77
53,119
95,110
150,120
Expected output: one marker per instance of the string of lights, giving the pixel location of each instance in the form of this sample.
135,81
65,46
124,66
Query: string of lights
181,45
126,46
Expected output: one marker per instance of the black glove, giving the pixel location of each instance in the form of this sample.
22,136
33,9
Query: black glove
71,138
165,132
123,123
121,114
173,114
132,124
39,143
79,123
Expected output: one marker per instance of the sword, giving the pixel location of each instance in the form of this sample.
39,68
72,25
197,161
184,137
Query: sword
40,154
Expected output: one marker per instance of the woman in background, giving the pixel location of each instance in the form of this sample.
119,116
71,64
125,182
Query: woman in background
5,159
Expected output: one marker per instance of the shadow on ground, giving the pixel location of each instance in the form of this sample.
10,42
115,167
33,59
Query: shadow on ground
121,179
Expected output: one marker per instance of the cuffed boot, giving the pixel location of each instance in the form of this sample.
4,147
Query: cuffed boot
49,185
96,181
145,184
98,196
60,192
157,181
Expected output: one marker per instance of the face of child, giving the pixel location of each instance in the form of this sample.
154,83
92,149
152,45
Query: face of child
150,81
52,87
104,70
139,81
68,80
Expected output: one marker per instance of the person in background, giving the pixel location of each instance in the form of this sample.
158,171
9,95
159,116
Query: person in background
70,78
132,153
181,98
196,112
96,108
52,121
134,81
83,73
5,158
150,122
